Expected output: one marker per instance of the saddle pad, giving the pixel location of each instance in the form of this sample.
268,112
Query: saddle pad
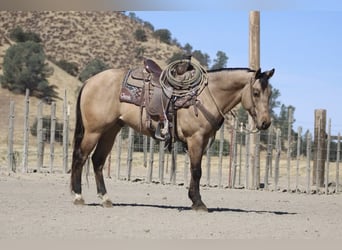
131,90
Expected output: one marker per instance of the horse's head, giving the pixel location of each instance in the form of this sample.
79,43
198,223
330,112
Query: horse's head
256,98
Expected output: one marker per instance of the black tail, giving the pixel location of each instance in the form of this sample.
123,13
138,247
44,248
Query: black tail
76,167
79,127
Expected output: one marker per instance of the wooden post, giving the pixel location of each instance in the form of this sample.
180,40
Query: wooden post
247,160
289,150
40,141
151,160
26,131
328,158
299,140
277,159
268,170
338,163
174,150
319,147
221,155
118,154
161,161
308,160
145,150
52,134
234,152
10,157
240,152
65,132
254,63
130,153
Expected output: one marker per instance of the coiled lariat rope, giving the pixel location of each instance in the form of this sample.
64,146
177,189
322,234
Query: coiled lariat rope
190,83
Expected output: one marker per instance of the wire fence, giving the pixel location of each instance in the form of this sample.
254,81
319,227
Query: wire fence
270,160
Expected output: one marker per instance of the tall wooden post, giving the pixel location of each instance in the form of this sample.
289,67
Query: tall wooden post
319,147
254,63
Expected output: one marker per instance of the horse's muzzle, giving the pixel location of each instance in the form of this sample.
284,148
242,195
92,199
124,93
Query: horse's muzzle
264,125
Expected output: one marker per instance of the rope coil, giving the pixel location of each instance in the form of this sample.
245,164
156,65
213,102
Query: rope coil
190,82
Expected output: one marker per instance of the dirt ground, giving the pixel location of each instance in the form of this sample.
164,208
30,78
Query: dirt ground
39,206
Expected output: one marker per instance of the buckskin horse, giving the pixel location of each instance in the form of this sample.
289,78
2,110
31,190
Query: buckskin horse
100,115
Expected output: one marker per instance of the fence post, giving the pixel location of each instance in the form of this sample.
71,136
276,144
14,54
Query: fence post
26,131
174,150
289,142
118,154
299,140
319,146
328,158
268,171
235,152
52,134
145,150
221,155
308,160
11,165
257,161
130,153
40,141
247,159
338,163
161,161
150,165
277,159
65,132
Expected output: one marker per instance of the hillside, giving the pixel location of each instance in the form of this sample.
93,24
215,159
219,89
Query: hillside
81,36
76,37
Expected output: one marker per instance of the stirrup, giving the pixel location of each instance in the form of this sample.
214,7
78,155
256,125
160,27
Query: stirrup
158,134
162,133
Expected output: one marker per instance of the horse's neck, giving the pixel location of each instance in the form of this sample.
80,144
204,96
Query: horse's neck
227,88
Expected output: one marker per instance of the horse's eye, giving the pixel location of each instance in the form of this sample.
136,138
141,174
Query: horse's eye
256,93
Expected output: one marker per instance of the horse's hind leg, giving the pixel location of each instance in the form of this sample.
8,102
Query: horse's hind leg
102,150
80,155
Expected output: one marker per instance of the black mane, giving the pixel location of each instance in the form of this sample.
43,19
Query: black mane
230,69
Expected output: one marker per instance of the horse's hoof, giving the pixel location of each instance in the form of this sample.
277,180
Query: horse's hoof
199,207
78,200
106,202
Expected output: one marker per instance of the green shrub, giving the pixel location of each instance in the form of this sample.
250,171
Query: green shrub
93,67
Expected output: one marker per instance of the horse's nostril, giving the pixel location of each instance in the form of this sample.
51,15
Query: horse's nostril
264,125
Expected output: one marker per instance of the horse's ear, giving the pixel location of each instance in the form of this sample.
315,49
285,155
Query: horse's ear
258,74
269,73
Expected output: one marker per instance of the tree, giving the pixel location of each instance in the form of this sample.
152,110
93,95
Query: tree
24,67
187,48
148,25
68,67
140,35
203,59
164,35
220,61
19,35
93,67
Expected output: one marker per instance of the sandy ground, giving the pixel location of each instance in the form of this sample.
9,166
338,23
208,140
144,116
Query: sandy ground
39,206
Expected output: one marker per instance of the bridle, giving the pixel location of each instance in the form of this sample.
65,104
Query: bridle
252,110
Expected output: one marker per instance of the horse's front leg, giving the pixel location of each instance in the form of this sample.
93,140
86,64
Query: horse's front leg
195,154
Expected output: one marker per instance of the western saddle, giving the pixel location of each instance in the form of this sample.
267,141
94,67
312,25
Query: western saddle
149,87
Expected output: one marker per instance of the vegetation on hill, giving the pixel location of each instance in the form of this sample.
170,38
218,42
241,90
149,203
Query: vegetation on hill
25,67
